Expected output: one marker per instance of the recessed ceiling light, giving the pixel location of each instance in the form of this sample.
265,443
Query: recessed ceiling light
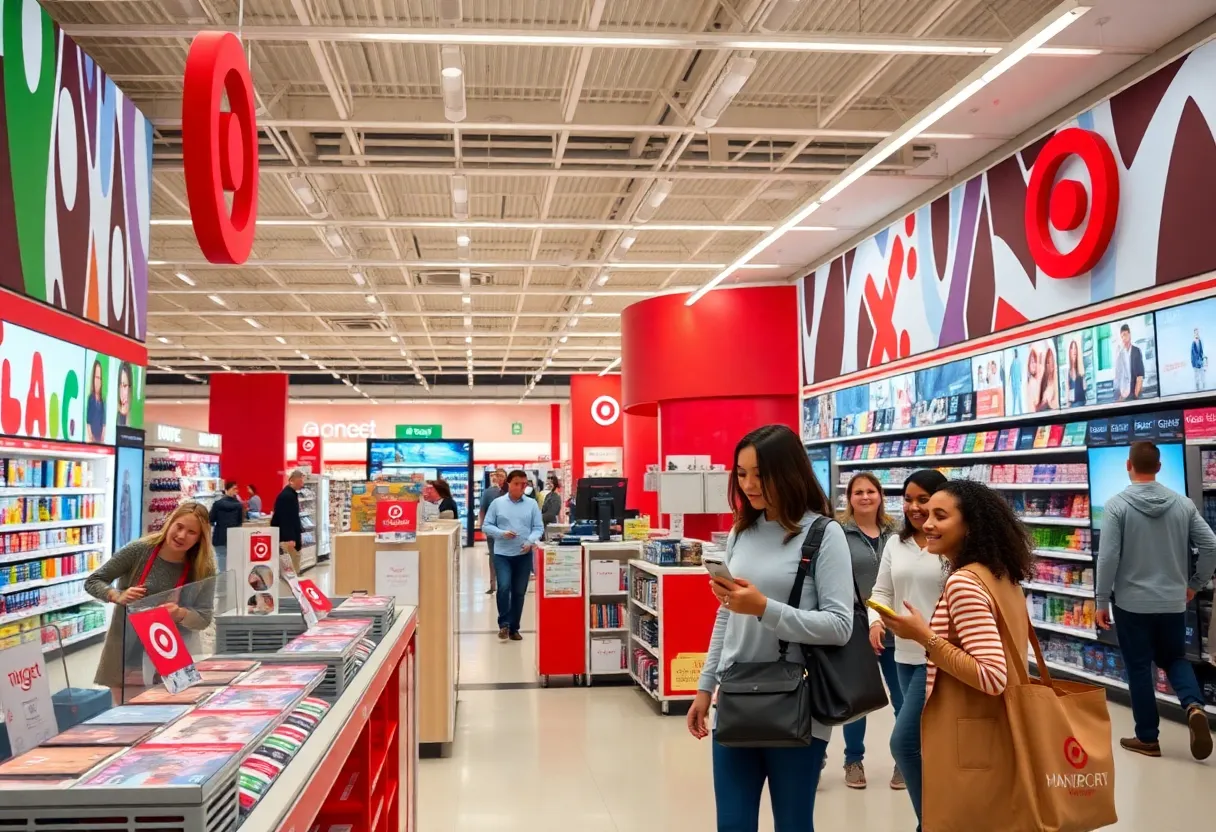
393,338
564,338
370,298
468,339
185,278
587,300
465,299
162,339
280,339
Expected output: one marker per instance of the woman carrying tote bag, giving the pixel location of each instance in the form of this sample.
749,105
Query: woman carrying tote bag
776,500
1038,755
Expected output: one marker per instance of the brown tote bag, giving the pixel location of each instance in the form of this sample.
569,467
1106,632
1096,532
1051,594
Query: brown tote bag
1038,758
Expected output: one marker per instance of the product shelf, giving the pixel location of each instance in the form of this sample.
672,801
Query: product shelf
70,640
39,554
32,611
51,492
1060,589
927,460
1065,554
8,589
1097,678
644,607
54,524
1076,632
1075,522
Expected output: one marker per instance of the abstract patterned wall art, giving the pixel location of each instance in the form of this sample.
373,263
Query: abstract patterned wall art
75,177
961,267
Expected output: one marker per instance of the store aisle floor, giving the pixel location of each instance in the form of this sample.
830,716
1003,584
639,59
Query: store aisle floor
528,759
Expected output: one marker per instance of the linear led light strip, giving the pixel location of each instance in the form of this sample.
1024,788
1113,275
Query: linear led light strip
1048,27
512,225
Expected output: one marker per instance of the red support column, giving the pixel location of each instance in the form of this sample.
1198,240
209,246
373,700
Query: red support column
249,410
641,450
555,433
595,417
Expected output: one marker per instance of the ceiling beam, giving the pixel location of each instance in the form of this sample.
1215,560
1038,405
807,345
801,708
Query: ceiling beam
368,263
501,225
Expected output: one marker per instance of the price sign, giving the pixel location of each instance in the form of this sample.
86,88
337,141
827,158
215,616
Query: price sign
396,521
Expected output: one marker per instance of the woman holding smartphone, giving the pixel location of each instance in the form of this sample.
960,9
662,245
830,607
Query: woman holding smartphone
867,528
909,573
776,500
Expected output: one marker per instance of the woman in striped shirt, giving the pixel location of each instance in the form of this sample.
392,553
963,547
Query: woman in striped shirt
990,554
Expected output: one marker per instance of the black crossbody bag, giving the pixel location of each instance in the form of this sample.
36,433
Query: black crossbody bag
772,704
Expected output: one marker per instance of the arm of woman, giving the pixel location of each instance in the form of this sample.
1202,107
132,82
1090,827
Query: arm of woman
197,604
884,585
832,623
980,661
708,681
99,583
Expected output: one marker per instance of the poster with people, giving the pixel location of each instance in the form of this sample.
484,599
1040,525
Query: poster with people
817,417
113,397
1126,352
944,395
853,411
903,399
1032,378
1186,346
1078,384
988,381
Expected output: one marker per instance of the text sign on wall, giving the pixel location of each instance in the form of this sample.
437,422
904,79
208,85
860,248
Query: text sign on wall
1200,423
419,431
309,453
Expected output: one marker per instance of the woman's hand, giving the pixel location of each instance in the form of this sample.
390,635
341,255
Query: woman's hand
177,613
698,716
130,595
721,588
878,635
745,599
912,626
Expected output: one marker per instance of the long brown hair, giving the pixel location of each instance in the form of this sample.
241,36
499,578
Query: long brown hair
882,518
201,556
786,480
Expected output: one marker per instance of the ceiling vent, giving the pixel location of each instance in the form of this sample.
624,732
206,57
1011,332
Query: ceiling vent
360,324
450,278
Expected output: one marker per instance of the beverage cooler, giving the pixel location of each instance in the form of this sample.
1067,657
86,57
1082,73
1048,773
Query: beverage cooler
428,459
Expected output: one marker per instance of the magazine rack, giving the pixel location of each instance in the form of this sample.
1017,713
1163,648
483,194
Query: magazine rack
340,665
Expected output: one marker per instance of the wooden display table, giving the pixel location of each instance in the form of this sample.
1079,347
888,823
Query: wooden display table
422,573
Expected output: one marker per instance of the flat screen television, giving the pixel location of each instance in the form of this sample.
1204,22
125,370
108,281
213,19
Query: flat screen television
1108,475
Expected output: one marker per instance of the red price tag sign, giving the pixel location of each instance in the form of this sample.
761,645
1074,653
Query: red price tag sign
160,638
315,596
261,548
1200,423
396,516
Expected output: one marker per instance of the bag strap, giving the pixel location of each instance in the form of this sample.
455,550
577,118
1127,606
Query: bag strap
1021,670
810,547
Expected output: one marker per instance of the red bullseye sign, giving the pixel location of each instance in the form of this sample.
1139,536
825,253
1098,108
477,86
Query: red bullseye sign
161,641
315,596
605,410
1074,753
1063,205
220,147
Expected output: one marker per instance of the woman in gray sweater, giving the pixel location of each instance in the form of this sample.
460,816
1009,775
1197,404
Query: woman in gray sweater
178,557
776,499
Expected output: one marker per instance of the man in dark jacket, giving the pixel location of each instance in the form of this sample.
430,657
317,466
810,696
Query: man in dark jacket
226,513
286,516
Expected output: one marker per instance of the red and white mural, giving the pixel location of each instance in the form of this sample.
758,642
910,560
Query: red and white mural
1117,201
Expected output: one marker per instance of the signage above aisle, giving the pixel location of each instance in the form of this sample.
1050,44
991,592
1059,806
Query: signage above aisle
186,439
419,431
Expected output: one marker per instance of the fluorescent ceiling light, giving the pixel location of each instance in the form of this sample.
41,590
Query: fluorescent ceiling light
185,278
253,323
465,299
370,299
468,320
451,83
205,358
460,196
658,192
217,300
336,242
162,339
623,245
466,278
335,375
304,355
303,190
602,280
358,277
468,339
463,240
587,300
393,338
564,339
732,79
226,368
615,363
280,339
1047,28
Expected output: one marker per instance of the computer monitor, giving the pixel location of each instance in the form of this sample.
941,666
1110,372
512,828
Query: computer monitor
601,499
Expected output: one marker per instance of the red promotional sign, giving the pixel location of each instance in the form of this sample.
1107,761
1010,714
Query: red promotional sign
394,516
261,548
308,453
220,147
315,596
1200,422
160,639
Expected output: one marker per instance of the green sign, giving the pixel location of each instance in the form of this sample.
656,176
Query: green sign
419,431
517,428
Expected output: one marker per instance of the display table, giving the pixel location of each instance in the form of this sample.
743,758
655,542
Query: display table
426,573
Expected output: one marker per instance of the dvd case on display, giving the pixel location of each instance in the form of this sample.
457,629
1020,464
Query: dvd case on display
253,699
230,665
150,765
317,644
238,728
220,677
160,696
56,762
287,675
139,715
101,735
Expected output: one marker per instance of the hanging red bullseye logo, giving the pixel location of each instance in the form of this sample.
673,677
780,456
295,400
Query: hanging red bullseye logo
220,147
1065,205
605,411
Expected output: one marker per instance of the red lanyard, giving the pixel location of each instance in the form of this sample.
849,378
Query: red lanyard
148,568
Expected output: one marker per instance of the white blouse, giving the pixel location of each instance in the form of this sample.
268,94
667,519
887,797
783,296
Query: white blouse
908,573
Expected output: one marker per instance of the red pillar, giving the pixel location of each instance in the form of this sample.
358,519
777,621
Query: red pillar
641,450
712,371
595,417
249,410
555,433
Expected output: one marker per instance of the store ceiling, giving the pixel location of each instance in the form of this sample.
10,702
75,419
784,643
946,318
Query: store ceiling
563,144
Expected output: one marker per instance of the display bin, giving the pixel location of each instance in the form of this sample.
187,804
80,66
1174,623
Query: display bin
240,632
382,616
340,665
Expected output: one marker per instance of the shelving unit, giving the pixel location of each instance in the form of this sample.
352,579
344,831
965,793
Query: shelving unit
602,562
316,540
172,476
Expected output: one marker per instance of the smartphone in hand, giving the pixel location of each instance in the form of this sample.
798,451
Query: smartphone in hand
717,568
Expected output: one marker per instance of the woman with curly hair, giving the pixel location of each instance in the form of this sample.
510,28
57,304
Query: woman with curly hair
966,736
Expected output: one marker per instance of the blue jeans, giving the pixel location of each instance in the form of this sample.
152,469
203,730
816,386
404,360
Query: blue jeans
1154,638
905,736
513,574
855,732
792,775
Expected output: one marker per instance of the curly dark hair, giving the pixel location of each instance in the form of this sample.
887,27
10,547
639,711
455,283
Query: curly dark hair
995,537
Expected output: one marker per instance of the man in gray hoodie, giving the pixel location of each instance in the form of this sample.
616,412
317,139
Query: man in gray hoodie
1144,552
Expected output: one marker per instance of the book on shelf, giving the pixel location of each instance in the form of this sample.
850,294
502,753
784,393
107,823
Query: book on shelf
1074,435
1026,440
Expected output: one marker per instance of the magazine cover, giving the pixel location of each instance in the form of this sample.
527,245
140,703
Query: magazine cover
101,735
139,715
340,626
317,644
150,765
254,699
237,665
284,675
220,677
55,762
371,602
216,729
23,783
160,696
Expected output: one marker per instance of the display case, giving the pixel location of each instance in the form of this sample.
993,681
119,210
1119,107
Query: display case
428,459
179,464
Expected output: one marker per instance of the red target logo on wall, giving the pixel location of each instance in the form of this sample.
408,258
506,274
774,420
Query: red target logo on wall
605,410
220,147
1066,205
1074,753
309,445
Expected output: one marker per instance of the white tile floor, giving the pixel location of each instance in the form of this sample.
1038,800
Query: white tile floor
603,760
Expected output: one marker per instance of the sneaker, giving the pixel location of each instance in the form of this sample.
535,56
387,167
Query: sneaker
516,637
491,590
502,633
1201,734
855,775
1148,749
897,780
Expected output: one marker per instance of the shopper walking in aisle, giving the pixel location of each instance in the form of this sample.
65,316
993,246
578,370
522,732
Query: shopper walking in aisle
226,513
179,554
514,521
909,574
551,502
867,528
1144,547
776,500
255,501
443,492
988,553
498,479
286,516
